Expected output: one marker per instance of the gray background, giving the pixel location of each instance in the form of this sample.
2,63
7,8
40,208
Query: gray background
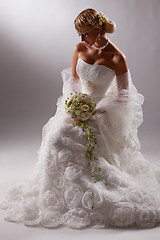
36,42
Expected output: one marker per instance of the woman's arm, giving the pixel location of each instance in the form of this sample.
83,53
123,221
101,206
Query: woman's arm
80,48
122,75
74,61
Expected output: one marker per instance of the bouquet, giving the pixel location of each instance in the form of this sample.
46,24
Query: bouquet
80,106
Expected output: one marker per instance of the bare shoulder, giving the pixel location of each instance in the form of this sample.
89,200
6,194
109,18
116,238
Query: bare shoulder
120,62
81,46
121,66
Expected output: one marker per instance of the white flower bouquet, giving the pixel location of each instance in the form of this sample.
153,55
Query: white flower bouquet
80,106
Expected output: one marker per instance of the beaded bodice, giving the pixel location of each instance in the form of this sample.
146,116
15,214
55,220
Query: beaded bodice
95,79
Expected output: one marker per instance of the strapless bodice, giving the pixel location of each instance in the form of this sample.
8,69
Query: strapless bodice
95,79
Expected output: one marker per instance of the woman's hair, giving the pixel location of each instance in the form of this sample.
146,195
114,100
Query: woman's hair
89,19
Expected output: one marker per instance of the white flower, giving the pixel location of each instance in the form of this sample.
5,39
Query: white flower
52,220
73,194
91,199
122,215
137,196
73,171
77,112
83,115
145,217
101,18
77,218
52,201
84,107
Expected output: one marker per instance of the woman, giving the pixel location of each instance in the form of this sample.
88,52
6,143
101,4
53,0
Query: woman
90,170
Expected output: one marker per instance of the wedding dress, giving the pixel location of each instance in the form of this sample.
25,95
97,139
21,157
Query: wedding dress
61,191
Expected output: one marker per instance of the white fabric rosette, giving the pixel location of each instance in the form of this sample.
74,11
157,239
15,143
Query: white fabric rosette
65,156
122,215
145,217
52,220
137,196
91,199
98,219
73,194
73,171
77,218
101,166
52,201
58,179
53,181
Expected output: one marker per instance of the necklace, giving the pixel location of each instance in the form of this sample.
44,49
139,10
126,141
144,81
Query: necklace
98,48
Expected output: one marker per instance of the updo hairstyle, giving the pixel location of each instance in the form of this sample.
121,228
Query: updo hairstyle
90,19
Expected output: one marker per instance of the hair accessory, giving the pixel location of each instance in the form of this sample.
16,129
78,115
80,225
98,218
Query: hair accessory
101,18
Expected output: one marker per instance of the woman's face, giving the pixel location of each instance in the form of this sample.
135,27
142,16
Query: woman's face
89,37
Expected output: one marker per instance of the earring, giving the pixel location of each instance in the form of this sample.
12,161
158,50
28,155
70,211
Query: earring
99,36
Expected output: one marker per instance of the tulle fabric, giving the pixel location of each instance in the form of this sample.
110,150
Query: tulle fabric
59,192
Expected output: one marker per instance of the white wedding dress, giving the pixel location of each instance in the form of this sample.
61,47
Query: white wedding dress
61,191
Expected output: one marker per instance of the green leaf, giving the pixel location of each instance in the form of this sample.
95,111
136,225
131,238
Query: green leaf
98,179
69,104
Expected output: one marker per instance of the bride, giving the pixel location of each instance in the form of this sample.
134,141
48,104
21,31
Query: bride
90,170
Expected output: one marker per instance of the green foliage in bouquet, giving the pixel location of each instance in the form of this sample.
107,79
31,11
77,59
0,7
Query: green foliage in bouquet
80,106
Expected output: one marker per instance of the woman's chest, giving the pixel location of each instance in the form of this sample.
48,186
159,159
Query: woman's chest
109,60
